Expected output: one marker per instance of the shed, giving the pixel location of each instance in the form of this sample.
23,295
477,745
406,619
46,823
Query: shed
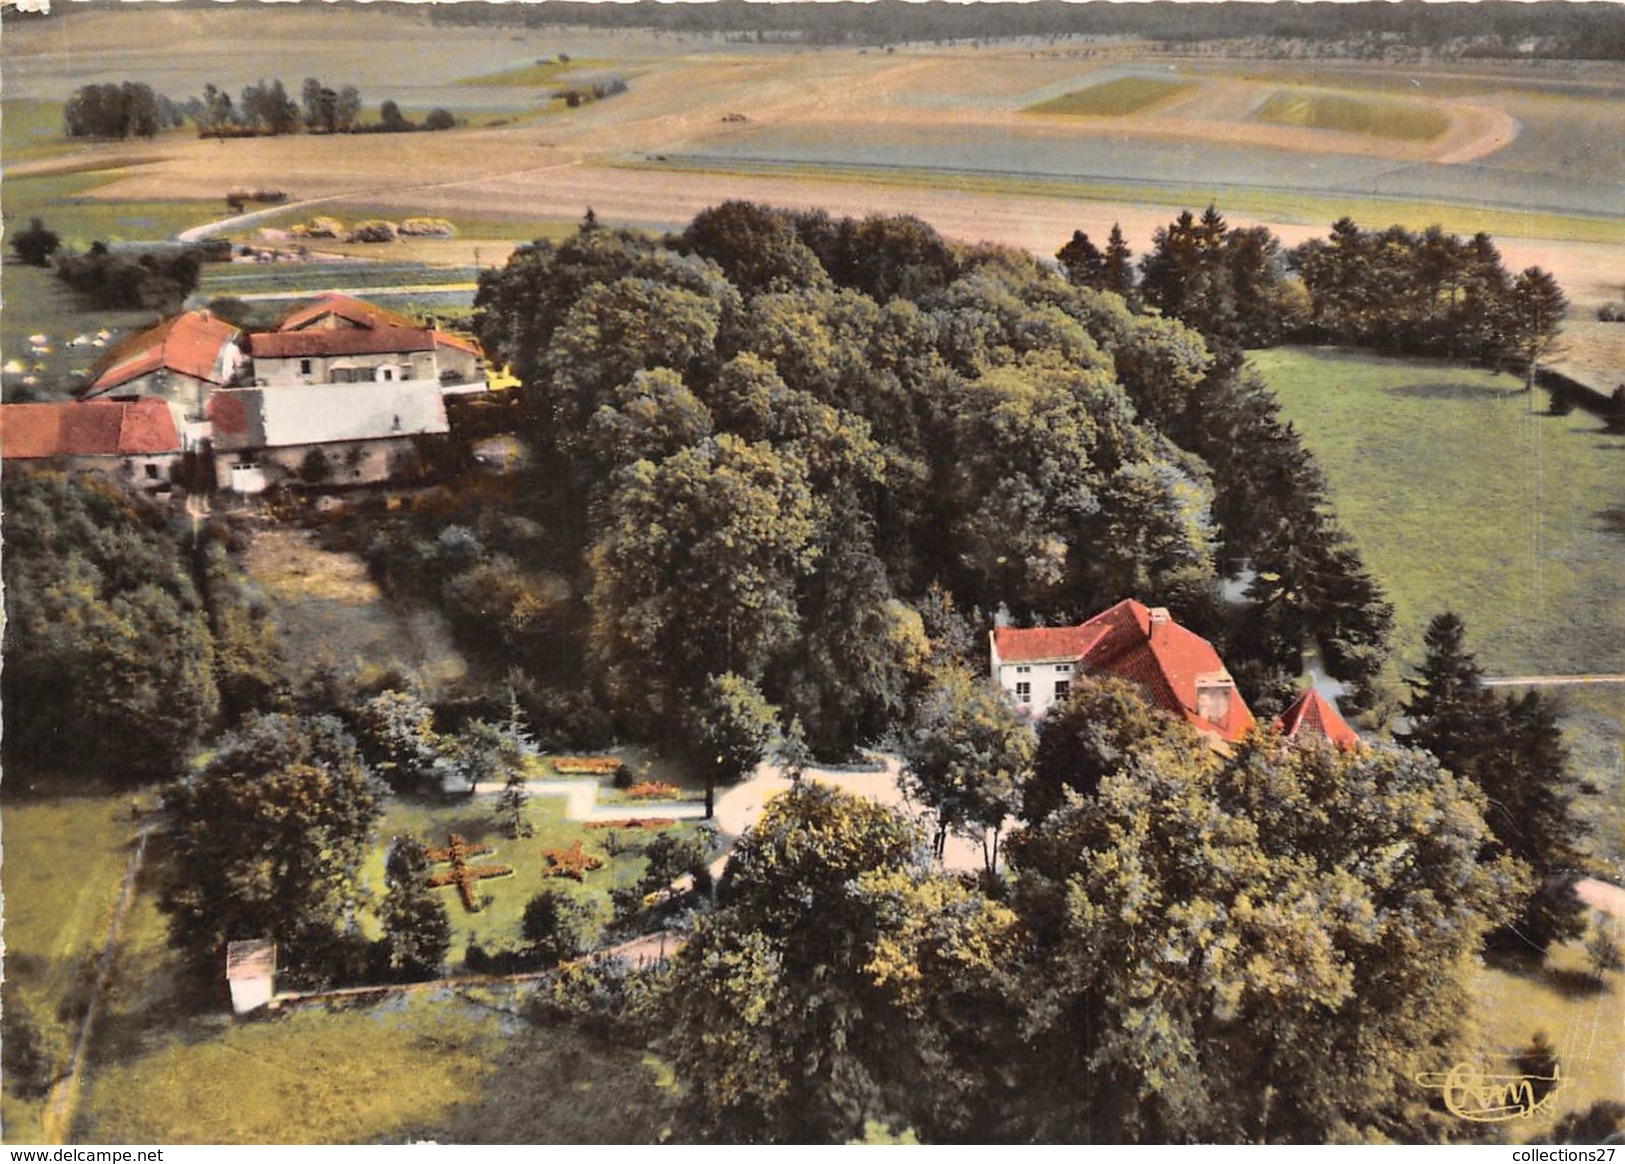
251,973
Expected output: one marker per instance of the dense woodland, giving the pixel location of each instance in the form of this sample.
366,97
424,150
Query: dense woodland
1492,29
787,470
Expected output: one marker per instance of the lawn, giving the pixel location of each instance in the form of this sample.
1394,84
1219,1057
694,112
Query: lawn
64,860
36,303
1403,120
1117,98
440,1066
1462,498
497,924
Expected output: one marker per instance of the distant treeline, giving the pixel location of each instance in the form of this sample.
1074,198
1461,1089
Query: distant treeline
1489,29
264,109
1426,293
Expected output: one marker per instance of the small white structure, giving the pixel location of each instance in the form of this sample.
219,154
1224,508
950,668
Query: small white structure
251,973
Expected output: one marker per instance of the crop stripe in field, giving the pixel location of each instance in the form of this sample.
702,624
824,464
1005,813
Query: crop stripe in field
1303,205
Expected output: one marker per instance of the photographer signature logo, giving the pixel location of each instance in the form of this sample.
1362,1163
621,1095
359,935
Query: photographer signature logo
1471,1093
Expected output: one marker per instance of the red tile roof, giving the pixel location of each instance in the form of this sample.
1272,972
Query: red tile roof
1154,651
92,428
357,312
189,343
446,339
1312,718
344,341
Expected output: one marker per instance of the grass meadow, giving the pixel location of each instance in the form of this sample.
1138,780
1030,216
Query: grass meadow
1404,120
64,860
1462,498
449,1066
1117,98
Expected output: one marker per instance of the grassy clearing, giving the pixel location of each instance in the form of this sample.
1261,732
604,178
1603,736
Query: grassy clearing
433,1066
1581,1018
64,859
1117,98
1402,120
1267,205
1462,499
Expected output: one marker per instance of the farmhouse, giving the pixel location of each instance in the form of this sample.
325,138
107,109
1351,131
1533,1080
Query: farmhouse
340,340
134,442
1179,671
316,434
182,361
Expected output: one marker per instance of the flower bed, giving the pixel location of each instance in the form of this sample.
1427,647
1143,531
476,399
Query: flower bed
571,862
462,874
633,822
654,790
587,765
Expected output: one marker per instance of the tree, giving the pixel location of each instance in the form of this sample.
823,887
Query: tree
1534,315
756,247
733,727
393,120
1118,275
396,733
439,119
555,927
695,570
108,651
1088,736
1227,949
36,244
1082,261
269,840
1513,750
417,932
967,756
837,983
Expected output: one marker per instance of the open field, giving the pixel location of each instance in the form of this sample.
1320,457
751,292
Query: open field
1409,121
935,131
1512,530
1116,98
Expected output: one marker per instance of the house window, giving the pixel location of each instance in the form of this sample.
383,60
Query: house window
1024,692
1024,670
1063,688
152,471
1063,668
304,367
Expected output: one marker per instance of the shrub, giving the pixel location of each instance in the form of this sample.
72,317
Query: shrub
1607,313
36,245
439,119
427,228
555,927
375,230
319,227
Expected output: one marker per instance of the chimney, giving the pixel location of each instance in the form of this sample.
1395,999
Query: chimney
1159,623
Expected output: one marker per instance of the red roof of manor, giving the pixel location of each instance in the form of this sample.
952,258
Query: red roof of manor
92,428
357,312
1133,642
189,343
1312,718
447,340
343,341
